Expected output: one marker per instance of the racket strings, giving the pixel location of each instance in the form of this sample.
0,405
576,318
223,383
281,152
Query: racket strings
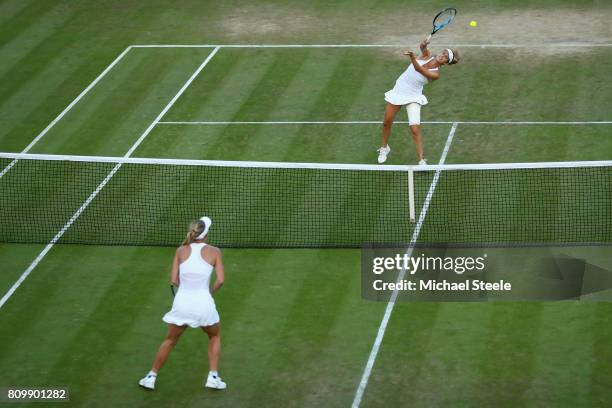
444,18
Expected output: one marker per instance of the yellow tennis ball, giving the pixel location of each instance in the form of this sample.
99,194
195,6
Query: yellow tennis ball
473,23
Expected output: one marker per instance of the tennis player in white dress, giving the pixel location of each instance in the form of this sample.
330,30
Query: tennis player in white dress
193,304
408,91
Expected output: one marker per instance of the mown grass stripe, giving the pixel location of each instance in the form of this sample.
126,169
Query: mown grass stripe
36,60
92,112
40,102
601,355
295,95
86,353
334,99
562,364
246,69
253,337
110,125
263,98
303,334
20,47
514,330
9,9
27,16
209,92
457,345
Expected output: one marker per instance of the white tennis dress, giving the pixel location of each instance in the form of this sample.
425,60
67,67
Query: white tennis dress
409,87
193,304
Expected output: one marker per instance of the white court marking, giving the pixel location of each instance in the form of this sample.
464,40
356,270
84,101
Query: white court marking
110,175
493,45
391,304
68,108
378,122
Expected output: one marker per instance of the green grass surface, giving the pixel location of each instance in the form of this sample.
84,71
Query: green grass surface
105,322
295,329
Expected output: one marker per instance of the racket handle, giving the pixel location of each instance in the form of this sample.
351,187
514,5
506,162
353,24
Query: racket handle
428,37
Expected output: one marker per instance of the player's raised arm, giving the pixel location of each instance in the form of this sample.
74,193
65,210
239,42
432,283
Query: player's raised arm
424,50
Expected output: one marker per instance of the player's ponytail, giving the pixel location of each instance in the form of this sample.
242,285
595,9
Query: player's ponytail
195,229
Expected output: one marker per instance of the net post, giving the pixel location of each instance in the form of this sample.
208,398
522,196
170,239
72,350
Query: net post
411,195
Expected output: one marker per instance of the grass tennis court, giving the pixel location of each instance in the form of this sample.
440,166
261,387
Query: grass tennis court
295,329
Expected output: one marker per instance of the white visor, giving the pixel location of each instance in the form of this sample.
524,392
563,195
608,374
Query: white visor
207,223
451,57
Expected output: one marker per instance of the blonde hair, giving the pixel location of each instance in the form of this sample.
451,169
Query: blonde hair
195,229
456,57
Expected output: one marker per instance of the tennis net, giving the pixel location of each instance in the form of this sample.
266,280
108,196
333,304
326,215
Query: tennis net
133,201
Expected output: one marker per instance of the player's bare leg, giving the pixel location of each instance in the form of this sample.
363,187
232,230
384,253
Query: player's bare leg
174,333
214,350
390,112
214,345
417,137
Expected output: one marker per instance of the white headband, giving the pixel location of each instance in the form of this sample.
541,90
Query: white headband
207,223
450,55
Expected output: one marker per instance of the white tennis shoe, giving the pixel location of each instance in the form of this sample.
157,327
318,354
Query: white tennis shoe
423,162
148,382
382,154
215,383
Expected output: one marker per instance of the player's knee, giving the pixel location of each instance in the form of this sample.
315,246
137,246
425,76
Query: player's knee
415,128
388,122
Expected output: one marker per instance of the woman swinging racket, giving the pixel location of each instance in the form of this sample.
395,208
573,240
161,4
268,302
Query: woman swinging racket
408,91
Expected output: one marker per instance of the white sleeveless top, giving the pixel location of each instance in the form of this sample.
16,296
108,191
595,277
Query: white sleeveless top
409,86
195,272
193,304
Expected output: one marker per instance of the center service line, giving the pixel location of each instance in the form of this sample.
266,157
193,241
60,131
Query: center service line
110,175
415,235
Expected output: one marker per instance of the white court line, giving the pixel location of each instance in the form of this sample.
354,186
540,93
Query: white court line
110,175
67,109
389,309
531,45
378,122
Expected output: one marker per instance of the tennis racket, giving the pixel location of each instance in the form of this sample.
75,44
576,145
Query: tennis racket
173,290
442,19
